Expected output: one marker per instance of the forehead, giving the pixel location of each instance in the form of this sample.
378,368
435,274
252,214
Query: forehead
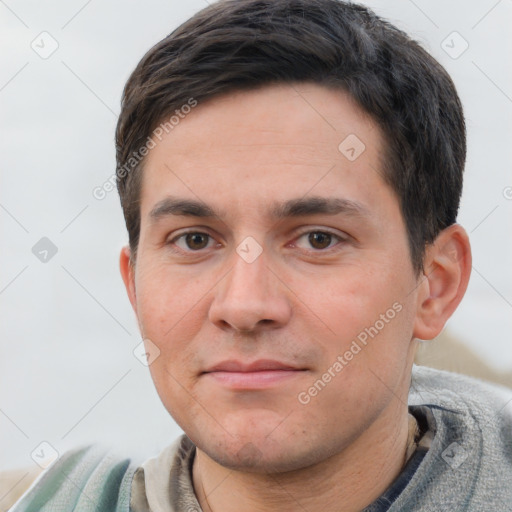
253,149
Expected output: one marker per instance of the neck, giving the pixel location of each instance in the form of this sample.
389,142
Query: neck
355,477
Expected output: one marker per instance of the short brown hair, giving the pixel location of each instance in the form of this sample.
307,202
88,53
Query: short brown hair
245,44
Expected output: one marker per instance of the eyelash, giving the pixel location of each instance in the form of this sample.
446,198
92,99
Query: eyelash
336,241
173,241
340,240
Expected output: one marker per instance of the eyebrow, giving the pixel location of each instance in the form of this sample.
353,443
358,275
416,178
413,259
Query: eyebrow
184,207
291,208
319,205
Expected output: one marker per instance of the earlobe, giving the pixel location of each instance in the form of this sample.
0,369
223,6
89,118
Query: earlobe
445,280
128,275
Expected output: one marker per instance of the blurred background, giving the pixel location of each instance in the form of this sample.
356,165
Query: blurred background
68,374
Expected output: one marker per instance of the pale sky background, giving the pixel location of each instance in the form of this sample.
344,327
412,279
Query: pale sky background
67,372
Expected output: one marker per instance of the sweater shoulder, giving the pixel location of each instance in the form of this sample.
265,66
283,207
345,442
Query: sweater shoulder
452,391
85,476
469,463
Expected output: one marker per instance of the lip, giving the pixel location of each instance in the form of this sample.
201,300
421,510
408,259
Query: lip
255,375
232,365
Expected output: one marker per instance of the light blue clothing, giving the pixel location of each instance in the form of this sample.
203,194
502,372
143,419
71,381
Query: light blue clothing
85,479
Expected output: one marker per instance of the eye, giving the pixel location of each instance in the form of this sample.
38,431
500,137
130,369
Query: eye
193,241
318,240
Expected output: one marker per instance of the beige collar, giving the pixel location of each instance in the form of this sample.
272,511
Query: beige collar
412,438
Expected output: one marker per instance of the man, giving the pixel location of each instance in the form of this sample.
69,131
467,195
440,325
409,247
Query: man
290,174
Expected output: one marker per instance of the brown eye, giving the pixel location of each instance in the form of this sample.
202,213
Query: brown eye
319,240
196,241
192,241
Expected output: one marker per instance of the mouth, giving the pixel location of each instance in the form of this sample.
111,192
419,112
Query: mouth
256,375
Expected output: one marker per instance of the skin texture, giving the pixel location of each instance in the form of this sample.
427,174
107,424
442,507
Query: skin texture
299,302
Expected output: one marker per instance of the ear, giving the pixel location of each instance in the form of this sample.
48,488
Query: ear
447,267
128,275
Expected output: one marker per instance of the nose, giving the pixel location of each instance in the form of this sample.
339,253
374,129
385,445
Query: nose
250,298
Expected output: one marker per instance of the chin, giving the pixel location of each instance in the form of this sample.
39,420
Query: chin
257,452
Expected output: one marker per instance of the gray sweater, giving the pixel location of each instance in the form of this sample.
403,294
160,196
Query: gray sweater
469,464
463,461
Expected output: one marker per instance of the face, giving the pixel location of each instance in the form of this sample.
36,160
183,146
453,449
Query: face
273,282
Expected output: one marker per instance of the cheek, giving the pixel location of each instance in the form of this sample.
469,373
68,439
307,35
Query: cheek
368,308
346,300
365,363
169,301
